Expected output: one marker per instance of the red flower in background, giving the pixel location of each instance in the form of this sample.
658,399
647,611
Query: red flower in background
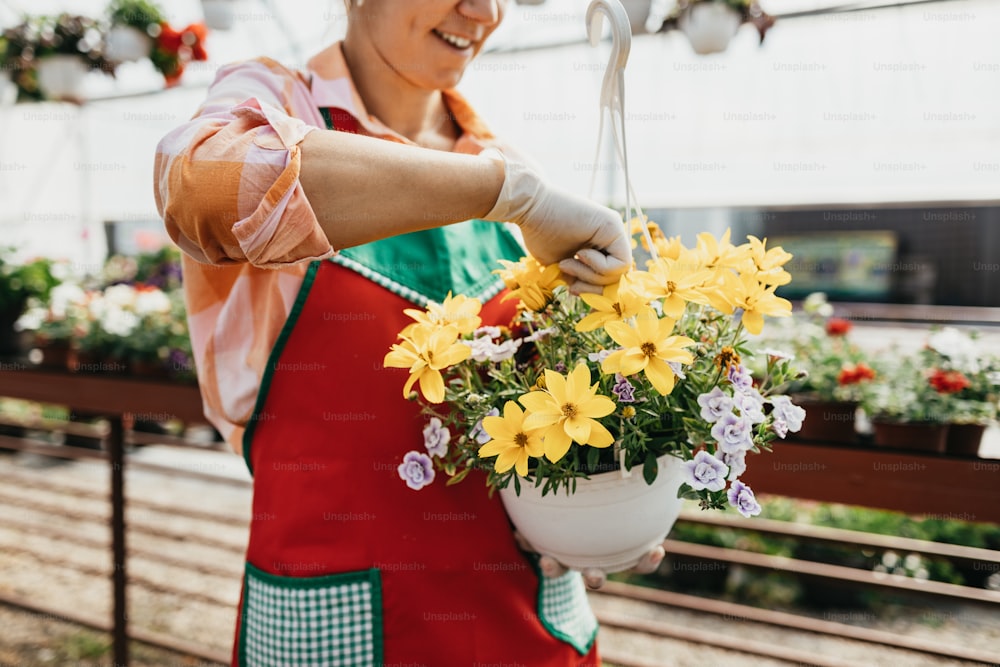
176,48
837,326
855,374
948,382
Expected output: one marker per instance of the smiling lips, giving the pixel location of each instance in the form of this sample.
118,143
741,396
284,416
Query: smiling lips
454,40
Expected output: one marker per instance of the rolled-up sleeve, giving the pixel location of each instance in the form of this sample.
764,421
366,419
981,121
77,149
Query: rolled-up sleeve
227,181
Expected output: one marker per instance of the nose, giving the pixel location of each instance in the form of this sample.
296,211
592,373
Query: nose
487,12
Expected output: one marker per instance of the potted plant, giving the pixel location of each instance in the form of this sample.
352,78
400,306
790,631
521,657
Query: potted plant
908,405
971,378
66,48
833,371
57,322
710,24
592,414
20,282
133,24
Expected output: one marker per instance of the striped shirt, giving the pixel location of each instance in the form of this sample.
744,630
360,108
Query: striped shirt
227,187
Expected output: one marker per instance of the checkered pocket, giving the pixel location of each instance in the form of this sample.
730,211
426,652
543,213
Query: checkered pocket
565,611
329,621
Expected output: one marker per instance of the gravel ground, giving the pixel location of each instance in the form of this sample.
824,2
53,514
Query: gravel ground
34,566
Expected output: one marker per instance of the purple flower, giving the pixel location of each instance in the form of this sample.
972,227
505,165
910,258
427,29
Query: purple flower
737,462
733,433
740,377
751,405
560,367
416,470
436,437
478,433
787,415
705,472
623,390
714,405
741,497
599,357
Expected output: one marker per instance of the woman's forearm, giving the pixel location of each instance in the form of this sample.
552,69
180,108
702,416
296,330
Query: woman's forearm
363,189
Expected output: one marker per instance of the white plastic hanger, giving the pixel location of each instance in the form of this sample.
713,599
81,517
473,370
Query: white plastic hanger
613,94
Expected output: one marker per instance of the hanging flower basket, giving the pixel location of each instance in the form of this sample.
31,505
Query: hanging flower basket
709,26
609,522
219,14
127,44
61,77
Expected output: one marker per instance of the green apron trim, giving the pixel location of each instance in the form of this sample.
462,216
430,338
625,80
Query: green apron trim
428,265
325,620
272,360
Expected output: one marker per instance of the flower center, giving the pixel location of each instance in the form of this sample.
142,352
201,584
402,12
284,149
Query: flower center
648,349
521,440
618,309
569,410
727,358
671,287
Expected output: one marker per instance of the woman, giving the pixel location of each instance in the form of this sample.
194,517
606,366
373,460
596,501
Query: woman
313,207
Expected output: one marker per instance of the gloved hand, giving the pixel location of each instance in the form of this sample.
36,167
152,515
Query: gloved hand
589,241
594,577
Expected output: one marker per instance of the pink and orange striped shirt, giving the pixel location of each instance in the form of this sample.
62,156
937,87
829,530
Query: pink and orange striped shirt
227,186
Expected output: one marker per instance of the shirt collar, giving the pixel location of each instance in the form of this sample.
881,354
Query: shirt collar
332,86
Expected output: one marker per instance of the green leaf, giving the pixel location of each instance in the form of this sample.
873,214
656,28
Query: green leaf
650,468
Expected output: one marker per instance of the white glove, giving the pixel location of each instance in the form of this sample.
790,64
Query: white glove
588,241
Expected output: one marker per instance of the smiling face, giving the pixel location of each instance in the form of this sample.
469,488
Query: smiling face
428,43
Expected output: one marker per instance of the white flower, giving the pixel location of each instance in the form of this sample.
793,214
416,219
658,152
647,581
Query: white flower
121,295
63,296
31,319
151,301
119,322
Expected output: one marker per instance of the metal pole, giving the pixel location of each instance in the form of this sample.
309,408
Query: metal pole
116,454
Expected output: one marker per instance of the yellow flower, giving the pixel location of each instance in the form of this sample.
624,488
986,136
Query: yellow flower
647,346
460,311
676,281
714,254
769,263
530,282
512,443
620,301
756,300
567,412
425,351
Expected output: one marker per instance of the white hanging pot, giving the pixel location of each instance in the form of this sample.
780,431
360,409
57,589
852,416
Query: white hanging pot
709,26
124,43
61,76
610,522
219,14
8,89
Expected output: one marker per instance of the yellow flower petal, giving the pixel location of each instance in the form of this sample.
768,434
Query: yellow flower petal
556,443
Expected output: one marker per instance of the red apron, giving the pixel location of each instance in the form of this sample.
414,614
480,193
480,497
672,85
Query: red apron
346,564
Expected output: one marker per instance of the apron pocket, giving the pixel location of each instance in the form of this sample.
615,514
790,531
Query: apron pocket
328,621
565,612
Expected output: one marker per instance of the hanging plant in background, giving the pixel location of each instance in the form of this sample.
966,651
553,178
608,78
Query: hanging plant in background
174,49
133,25
709,24
47,56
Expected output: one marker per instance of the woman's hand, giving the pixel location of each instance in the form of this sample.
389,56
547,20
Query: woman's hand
594,577
588,241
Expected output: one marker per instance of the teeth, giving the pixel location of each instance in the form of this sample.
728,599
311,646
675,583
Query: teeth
455,40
